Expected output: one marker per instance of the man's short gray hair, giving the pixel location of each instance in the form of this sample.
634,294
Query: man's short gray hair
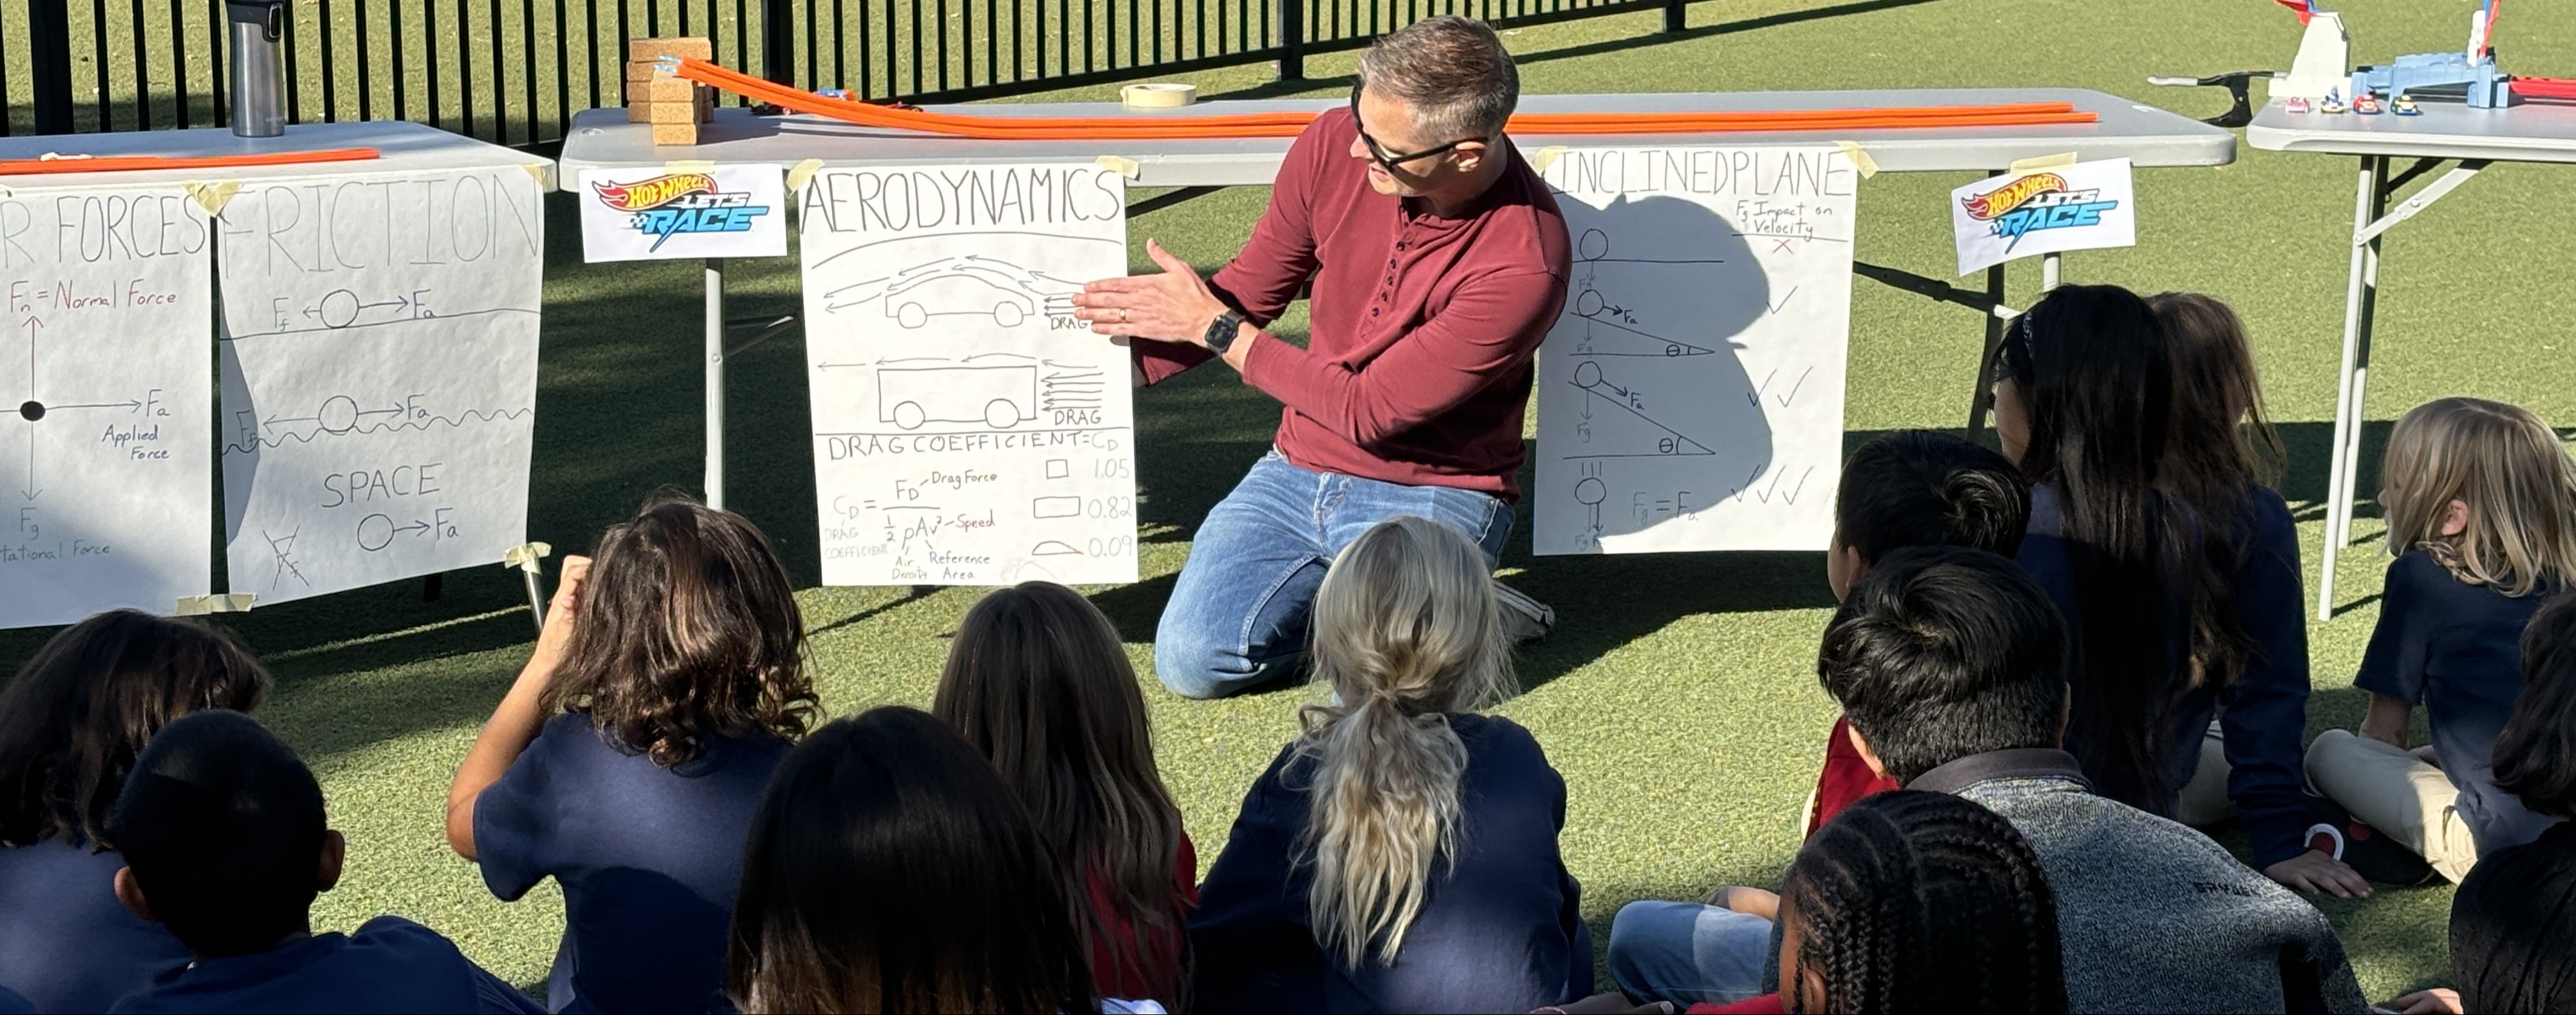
1451,70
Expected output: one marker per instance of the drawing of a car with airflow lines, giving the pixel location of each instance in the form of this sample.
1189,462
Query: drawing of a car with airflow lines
997,396
964,285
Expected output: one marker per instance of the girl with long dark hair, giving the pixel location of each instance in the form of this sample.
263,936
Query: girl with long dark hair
1038,681
71,725
2179,578
890,870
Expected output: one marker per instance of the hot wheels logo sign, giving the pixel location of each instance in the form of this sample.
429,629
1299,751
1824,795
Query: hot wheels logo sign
2027,204
677,203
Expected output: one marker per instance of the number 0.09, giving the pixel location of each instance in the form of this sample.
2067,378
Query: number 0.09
1113,546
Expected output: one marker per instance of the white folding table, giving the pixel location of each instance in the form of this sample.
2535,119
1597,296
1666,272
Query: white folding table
2149,137
2470,139
402,146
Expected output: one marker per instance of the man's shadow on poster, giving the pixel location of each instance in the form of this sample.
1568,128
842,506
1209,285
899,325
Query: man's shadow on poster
1661,287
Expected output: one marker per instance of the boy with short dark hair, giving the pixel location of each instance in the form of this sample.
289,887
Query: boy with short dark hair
1909,488
1950,664
225,842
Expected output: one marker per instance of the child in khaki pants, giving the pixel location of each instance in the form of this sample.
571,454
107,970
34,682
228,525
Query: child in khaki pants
2481,504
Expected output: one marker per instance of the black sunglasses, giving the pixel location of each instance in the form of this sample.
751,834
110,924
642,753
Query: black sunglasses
2013,353
1384,160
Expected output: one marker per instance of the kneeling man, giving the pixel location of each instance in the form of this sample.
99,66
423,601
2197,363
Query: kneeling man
1437,262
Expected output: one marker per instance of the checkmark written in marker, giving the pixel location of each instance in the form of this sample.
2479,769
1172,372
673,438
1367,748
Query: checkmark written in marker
1784,299
1755,396
1793,389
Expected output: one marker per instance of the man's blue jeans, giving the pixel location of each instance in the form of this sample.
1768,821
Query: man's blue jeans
1238,614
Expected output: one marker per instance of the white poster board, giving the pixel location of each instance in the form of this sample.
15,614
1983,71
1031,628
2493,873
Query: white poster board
656,214
105,388
967,430
1691,393
379,363
2080,206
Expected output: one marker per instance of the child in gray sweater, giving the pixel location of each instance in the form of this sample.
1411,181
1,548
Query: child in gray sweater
1947,662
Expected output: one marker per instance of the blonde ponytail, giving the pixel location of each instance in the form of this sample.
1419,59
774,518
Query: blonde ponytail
1407,630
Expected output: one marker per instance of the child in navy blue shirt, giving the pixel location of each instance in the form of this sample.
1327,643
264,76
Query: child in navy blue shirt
2481,504
71,724
226,844
2178,574
1038,681
890,870
1401,855
676,661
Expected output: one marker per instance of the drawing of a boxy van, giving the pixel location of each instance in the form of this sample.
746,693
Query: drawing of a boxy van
1000,397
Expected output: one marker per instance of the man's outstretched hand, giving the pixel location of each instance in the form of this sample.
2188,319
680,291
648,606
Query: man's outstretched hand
1174,306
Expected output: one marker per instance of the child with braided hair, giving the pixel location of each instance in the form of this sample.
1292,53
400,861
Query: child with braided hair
1917,901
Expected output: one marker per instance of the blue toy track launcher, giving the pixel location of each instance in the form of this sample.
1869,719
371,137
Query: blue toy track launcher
2472,69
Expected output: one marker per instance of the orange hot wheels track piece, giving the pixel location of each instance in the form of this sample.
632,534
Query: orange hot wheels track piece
1289,124
128,163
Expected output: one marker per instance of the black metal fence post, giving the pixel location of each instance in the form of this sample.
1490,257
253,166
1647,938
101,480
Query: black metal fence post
49,48
442,43
1292,40
777,49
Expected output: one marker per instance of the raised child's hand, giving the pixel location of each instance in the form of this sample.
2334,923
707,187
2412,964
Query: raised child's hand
561,612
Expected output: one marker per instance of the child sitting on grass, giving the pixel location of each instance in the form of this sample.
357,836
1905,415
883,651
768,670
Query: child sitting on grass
890,870
1914,902
2222,457
1906,489
71,725
2481,503
1401,855
2513,921
628,757
1038,681
226,843
2180,611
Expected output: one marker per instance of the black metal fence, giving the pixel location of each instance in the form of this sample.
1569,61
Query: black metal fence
514,71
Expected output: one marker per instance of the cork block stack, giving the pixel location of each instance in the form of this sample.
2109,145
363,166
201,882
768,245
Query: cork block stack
675,106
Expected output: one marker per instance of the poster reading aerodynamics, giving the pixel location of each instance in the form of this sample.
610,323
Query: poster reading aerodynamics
967,429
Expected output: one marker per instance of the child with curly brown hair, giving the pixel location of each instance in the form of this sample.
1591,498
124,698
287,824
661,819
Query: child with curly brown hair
627,760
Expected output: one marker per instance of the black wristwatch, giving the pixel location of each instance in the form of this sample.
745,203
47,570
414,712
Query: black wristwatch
1222,331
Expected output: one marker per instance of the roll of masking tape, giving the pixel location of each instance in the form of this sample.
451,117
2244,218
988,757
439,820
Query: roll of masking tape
1158,96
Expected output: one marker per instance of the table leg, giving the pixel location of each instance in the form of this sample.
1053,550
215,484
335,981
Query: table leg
715,341
2360,297
1984,398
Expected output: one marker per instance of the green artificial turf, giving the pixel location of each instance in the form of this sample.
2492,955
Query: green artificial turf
1677,696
